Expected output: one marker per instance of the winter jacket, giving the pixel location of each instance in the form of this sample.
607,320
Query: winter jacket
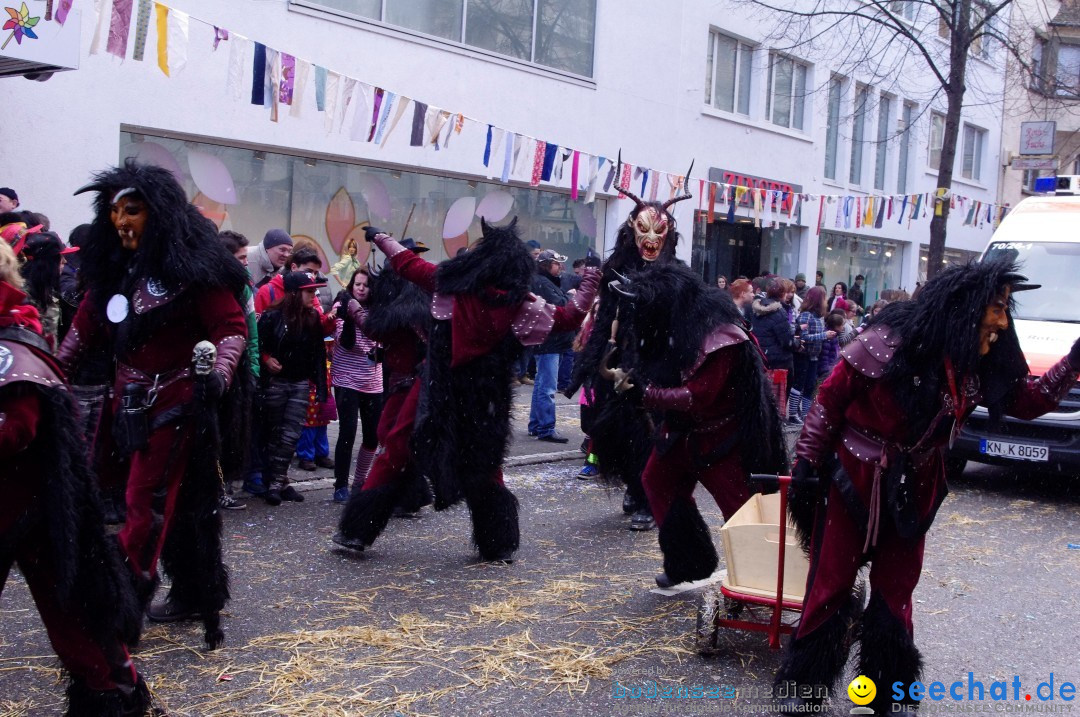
813,336
259,265
774,334
302,356
547,288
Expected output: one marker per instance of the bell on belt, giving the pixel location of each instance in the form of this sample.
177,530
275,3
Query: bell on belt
203,358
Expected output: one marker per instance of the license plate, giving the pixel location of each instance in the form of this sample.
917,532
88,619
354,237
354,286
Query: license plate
1017,451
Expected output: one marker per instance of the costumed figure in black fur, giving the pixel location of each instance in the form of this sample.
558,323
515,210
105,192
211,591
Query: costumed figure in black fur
875,437
399,318
159,282
483,315
51,521
621,433
695,366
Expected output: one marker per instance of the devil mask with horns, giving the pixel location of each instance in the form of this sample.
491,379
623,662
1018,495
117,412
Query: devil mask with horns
650,227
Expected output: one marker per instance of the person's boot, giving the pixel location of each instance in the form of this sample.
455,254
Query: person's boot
629,504
812,663
642,519
685,541
132,702
887,654
366,515
171,610
494,512
794,402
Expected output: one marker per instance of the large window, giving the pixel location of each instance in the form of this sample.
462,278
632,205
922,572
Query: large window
974,142
330,202
553,33
937,136
832,130
881,149
1067,77
904,9
787,92
858,130
727,73
905,149
842,257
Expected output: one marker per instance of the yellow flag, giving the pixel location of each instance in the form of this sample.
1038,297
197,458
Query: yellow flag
162,37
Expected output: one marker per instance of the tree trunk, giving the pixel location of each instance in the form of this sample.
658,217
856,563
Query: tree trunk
954,93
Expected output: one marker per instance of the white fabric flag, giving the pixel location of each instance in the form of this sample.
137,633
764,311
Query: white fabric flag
362,115
178,41
238,54
333,88
347,92
497,134
300,81
103,8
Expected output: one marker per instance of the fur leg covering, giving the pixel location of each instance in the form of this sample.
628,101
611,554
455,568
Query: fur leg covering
416,495
495,520
368,511
887,653
815,661
85,702
192,558
685,541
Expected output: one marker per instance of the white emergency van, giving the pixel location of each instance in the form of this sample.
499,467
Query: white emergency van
1042,233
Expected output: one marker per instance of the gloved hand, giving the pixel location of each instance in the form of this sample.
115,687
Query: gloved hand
371,232
802,471
342,300
583,297
1074,354
209,388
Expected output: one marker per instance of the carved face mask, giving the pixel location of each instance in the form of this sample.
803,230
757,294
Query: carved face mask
650,232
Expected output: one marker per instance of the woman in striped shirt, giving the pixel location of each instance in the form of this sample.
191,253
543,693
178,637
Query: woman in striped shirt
358,384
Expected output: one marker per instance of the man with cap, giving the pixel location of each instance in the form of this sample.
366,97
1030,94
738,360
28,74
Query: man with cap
855,293
9,200
800,286
160,285
267,258
875,438
545,284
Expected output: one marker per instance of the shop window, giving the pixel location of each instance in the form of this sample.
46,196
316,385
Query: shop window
842,257
330,202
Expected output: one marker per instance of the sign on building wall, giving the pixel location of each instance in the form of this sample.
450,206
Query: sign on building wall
1034,163
738,179
1037,137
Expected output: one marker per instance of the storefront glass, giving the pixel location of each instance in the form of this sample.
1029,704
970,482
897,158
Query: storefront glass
739,248
842,257
252,191
953,257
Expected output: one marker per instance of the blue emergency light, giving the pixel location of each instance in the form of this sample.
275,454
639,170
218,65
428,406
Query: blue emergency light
1045,184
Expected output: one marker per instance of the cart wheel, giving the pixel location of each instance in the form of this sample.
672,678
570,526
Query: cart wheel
707,630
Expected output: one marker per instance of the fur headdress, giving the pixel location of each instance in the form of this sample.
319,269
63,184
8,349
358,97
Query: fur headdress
498,268
179,246
943,320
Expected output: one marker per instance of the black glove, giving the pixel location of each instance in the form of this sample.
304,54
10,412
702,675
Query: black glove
635,394
802,471
370,232
1074,354
209,388
342,300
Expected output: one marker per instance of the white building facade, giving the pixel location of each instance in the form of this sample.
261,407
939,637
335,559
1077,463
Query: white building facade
666,83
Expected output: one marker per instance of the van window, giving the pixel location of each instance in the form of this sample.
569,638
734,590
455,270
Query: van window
1053,265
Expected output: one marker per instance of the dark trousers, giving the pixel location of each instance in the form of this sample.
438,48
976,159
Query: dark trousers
804,378
566,369
284,410
352,404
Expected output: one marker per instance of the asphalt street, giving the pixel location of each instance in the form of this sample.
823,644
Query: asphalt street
417,626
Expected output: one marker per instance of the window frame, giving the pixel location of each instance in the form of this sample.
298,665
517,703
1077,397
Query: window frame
793,110
832,125
935,165
742,50
858,133
881,151
903,161
317,8
979,136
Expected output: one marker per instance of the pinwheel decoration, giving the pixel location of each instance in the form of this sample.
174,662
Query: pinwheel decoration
20,24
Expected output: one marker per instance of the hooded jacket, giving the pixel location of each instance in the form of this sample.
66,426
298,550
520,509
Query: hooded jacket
773,332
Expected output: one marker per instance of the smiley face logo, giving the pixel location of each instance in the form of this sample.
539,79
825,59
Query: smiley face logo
862,690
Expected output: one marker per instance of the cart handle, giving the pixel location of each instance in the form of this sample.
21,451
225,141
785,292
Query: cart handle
772,480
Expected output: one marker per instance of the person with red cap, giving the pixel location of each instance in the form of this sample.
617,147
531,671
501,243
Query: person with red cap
293,356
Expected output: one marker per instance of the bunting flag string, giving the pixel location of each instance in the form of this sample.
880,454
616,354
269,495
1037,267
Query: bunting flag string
373,113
